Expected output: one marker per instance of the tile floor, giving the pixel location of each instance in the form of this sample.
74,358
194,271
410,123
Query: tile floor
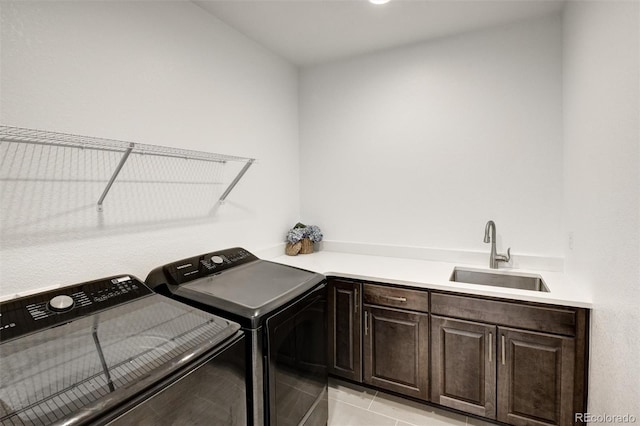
353,405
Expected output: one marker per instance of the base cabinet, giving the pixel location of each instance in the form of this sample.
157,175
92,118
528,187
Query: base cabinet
463,367
483,365
520,378
396,350
535,378
518,363
345,328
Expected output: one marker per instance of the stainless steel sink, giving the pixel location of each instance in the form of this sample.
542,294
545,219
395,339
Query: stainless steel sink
503,279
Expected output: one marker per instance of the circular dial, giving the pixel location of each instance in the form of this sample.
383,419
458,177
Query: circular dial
61,303
217,260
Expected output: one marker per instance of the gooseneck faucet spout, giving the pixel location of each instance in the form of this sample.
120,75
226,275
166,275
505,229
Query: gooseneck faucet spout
490,237
490,227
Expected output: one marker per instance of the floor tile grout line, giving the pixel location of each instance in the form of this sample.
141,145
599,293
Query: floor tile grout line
358,406
372,399
332,397
398,422
352,405
373,412
446,421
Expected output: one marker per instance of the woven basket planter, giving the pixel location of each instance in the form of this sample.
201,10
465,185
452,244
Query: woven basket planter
293,249
307,246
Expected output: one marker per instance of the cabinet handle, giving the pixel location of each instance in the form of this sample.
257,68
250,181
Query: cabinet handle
490,348
394,298
503,349
366,323
355,301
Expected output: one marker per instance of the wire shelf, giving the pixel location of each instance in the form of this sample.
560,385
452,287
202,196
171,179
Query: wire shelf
20,136
44,137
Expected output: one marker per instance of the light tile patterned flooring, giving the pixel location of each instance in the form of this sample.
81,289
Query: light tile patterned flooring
352,405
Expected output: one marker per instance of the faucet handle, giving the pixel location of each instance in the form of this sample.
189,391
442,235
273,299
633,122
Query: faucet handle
503,258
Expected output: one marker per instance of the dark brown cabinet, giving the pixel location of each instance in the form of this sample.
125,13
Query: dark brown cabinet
519,363
535,378
345,329
481,365
463,365
396,342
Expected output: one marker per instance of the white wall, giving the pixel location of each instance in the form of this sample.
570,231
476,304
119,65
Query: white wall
417,146
420,146
602,186
165,73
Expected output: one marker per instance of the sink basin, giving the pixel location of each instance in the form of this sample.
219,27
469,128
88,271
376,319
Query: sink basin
502,279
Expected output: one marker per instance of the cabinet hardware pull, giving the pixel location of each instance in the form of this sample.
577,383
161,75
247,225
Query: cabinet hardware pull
490,349
503,349
366,323
394,298
355,301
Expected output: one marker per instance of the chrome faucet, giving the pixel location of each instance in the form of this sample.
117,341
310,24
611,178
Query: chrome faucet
495,257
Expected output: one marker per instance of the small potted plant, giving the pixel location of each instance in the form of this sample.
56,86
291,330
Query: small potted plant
300,239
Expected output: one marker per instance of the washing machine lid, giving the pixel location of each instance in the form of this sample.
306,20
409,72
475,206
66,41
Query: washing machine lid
81,368
250,291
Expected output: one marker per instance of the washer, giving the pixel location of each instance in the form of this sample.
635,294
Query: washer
282,309
111,351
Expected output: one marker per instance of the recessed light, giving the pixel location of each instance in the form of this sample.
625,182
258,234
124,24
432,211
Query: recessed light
378,1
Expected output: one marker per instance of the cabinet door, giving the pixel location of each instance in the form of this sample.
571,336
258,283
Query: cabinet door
535,378
345,328
396,350
463,365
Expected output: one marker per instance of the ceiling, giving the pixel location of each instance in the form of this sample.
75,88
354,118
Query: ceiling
310,32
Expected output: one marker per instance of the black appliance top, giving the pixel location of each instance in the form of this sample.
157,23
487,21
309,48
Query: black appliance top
70,355
233,281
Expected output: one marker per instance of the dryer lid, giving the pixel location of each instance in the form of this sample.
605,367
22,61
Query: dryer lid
251,291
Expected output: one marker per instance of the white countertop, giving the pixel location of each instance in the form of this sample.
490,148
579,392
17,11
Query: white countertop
435,275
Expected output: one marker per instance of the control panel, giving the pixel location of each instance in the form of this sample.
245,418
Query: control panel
193,268
42,310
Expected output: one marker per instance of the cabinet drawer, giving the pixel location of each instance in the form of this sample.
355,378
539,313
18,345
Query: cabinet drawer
539,318
396,297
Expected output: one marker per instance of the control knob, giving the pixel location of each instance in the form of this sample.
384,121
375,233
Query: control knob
61,303
217,260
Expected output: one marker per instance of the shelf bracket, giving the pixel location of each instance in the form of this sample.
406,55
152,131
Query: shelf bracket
235,181
115,175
